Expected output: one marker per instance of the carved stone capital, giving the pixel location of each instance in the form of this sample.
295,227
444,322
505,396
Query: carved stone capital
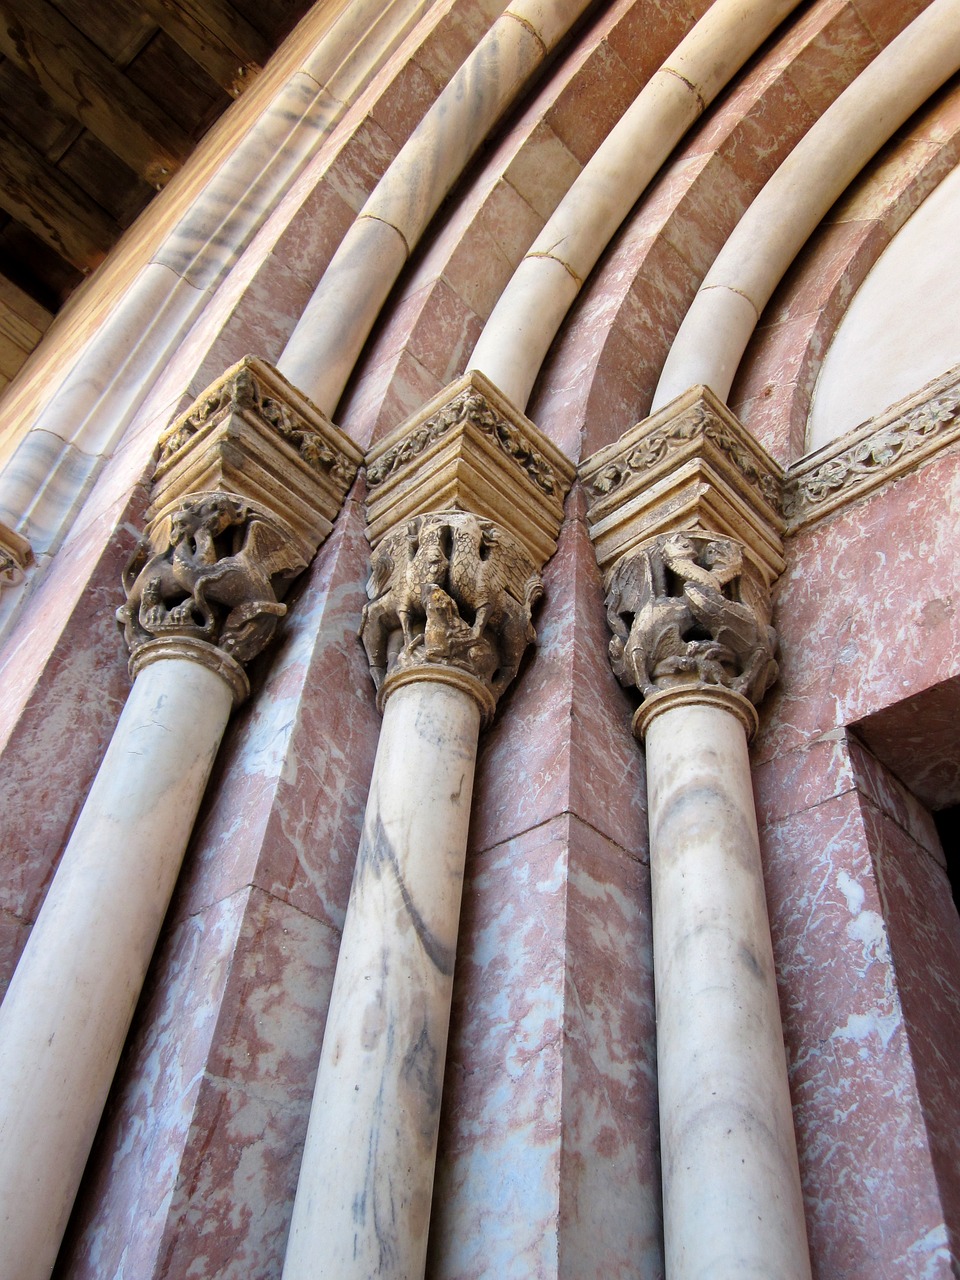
254,435
450,596
469,449
685,517
689,466
218,579
248,483
686,615
15,557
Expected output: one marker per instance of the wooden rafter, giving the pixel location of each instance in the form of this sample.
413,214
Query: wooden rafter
79,79
215,36
51,206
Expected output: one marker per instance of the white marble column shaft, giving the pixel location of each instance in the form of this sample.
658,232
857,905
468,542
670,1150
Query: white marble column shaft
69,1006
732,1200
363,1200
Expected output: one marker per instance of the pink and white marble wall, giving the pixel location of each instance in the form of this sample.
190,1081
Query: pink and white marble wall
865,932
859,908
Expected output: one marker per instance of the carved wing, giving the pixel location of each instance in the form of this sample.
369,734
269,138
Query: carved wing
381,572
631,590
270,549
516,573
731,624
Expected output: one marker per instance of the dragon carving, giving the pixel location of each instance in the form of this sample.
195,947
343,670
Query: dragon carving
680,611
450,589
218,580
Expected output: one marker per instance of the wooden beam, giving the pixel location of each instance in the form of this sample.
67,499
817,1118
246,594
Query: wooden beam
51,206
80,80
215,36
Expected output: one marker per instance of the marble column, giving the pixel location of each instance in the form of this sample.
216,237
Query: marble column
447,624
732,1204
66,1013
246,487
451,594
686,521
363,1200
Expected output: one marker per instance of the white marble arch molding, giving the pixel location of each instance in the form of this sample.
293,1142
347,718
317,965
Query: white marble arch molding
628,314
774,403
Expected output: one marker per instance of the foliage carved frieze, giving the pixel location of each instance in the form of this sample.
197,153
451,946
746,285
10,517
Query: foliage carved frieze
450,592
691,465
469,449
219,579
254,435
683,613
657,447
874,453
473,408
245,389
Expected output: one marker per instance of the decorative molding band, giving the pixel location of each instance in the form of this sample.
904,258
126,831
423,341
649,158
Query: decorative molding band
691,466
469,449
874,453
15,557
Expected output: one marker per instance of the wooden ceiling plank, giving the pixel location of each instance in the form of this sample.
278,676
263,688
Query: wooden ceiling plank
16,302
225,62
222,20
81,80
52,207
118,28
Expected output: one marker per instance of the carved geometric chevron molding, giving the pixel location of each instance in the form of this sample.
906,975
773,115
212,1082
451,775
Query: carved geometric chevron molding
691,466
874,453
469,449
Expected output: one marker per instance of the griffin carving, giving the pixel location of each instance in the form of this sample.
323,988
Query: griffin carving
678,613
450,589
218,580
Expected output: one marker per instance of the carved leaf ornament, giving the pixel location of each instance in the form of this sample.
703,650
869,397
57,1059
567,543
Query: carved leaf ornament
242,391
473,408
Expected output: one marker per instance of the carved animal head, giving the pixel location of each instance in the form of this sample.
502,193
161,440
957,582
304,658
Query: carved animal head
212,514
724,558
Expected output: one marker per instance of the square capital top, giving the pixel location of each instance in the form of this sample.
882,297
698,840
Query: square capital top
469,449
690,466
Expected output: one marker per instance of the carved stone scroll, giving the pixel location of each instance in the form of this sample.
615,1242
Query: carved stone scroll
450,592
682,612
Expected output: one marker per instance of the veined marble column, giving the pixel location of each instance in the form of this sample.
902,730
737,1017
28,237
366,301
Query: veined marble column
449,619
688,605
66,1013
731,1186
203,598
